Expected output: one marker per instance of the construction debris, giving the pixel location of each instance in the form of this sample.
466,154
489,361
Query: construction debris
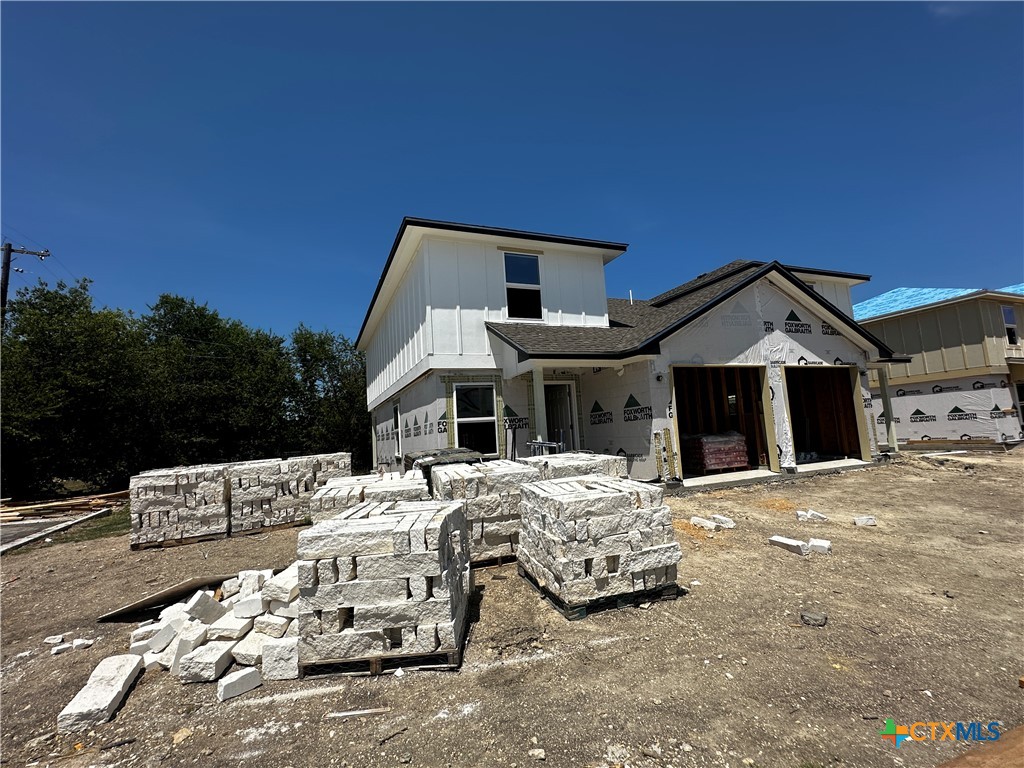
821,546
810,514
795,546
700,522
238,682
725,522
865,520
492,493
102,695
585,538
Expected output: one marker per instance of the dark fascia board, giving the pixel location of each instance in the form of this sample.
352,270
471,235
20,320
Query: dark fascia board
652,345
452,226
829,273
523,355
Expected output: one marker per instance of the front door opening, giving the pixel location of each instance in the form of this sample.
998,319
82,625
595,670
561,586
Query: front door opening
822,414
558,406
714,404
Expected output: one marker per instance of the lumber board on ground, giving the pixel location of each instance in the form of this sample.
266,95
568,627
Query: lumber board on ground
167,596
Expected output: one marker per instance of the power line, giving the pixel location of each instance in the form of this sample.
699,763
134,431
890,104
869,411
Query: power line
55,258
5,273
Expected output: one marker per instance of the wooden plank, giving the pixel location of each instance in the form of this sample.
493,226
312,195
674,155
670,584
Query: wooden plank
167,596
63,503
52,530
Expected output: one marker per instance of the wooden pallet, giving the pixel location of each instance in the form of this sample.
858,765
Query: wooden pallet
167,543
612,602
385,664
275,527
492,562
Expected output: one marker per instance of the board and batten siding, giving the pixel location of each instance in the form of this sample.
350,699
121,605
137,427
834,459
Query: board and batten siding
451,288
835,293
952,338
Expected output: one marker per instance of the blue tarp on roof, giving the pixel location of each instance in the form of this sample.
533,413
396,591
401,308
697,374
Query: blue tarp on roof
900,299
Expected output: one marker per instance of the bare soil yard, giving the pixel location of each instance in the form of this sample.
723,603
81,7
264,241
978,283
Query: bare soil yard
925,617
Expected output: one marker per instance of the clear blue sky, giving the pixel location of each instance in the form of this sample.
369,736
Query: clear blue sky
259,157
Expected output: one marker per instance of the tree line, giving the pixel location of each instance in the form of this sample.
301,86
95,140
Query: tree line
90,396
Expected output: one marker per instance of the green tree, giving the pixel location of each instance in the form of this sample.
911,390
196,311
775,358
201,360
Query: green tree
330,401
71,396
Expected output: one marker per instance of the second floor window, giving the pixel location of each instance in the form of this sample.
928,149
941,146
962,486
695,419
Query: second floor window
522,286
1010,321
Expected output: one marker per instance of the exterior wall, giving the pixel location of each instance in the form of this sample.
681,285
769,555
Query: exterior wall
836,292
962,338
968,408
619,415
426,420
450,289
753,328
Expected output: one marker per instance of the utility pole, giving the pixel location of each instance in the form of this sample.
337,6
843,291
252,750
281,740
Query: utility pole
5,275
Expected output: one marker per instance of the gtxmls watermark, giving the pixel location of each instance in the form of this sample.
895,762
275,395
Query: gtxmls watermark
940,731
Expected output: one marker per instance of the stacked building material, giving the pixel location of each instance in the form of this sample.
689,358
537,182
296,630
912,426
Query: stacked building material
218,499
383,580
169,505
588,538
706,452
342,493
491,491
556,465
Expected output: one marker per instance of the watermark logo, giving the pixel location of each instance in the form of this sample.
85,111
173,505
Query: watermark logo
939,731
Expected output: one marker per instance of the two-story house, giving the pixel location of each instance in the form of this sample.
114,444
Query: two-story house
490,338
965,376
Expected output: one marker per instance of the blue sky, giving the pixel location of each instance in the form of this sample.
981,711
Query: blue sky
259,157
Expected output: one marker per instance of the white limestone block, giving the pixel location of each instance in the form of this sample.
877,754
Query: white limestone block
250,607
281,658
102,694
59,649
793,545
821,546
206,663
230,587
284,586
54,639
865,520
273,626
190,637
287,610
203,607
229,627
238,682
249,649
725,522
81,642
700,522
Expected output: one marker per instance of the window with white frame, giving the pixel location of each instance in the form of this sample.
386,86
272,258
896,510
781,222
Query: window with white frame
522,286
1010,321
476,423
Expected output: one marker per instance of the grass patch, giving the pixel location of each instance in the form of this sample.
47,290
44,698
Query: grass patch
117,523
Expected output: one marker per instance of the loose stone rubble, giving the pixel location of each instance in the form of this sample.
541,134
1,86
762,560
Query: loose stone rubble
586,538
492,494
219,499
383,579
102,695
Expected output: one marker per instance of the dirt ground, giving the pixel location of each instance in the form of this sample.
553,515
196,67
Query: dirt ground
925,616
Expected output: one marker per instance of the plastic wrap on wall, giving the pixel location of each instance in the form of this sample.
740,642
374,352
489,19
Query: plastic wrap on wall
963,409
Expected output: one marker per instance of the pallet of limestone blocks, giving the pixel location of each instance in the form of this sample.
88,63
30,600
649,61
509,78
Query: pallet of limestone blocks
595,542
279,492
557,465
182,504
342,493
491,491
172,505
383,585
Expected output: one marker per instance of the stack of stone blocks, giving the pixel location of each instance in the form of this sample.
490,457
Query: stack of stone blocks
343,493
491,491
588,538
175,505
383,579
558,465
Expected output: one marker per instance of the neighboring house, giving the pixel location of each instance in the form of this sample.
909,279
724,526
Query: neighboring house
491,338
965,378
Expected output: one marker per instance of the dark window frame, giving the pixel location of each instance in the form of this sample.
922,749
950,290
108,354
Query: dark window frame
492,419
521,294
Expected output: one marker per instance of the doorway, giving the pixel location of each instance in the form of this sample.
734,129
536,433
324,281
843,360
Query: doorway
821,413
719,400
558,404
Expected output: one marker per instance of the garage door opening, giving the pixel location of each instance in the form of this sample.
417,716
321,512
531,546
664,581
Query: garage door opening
720,418
822,414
